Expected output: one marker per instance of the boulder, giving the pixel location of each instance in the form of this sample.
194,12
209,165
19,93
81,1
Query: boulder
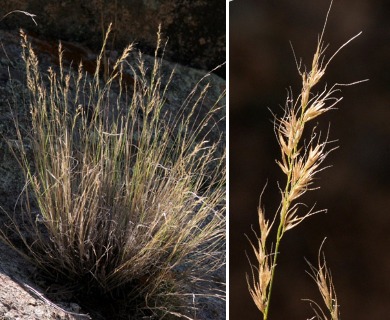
196,29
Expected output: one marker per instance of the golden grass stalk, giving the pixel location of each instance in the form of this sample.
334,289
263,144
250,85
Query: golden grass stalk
32,16
121,196
323,278
300,161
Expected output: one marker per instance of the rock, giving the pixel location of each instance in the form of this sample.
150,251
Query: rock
17,300
196,29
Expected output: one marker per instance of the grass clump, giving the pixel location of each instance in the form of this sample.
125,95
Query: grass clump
122,198
301,159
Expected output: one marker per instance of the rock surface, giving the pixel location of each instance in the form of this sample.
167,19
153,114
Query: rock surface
20,298
196,29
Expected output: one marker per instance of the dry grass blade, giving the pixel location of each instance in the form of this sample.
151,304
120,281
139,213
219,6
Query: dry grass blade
32,16
301,160
323,278
262,270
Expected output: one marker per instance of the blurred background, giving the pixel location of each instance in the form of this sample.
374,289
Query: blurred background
355,189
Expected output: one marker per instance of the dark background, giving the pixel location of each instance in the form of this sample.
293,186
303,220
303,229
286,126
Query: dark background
355,190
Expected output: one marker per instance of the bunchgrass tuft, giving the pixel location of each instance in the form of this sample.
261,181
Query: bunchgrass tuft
122,198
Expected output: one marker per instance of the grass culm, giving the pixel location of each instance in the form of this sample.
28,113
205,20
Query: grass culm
122,198
302,157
